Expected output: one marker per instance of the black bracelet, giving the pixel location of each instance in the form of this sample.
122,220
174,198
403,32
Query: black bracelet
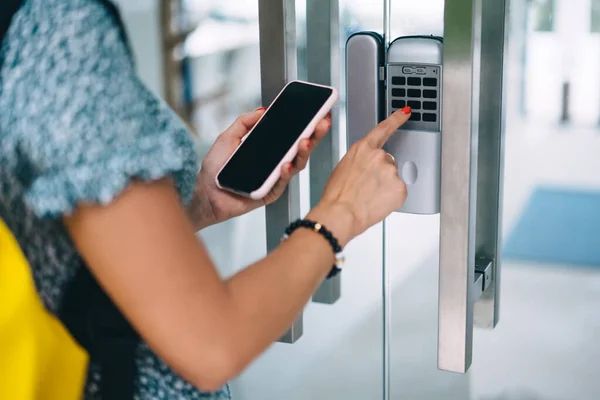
317,227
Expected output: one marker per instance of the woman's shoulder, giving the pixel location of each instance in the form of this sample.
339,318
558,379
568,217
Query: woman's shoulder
54,46
55,55
74,104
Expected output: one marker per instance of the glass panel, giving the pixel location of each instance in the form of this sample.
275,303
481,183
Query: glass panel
545,346
339,355
417,18
549,279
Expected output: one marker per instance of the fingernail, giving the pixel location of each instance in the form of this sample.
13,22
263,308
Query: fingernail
289,167
406,110
261,109
308,144
329,115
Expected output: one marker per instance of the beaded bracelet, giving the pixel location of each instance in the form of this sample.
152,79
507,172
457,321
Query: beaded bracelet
317,227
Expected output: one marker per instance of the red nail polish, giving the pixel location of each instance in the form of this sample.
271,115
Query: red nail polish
406,110
261,109
308,143
289,167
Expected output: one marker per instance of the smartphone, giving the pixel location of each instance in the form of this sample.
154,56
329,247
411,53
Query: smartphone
255,166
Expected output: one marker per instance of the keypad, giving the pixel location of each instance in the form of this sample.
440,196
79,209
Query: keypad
420,93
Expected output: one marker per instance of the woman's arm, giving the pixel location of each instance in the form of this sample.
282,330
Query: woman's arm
143,250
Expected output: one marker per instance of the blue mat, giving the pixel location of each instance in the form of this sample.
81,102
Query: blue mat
559,226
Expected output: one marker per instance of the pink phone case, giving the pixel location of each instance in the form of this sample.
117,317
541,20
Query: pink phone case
291,154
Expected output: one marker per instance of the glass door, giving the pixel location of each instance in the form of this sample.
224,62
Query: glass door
544,346
335,349
420,311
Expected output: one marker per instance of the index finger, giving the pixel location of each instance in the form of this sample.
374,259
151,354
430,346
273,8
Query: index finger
382,132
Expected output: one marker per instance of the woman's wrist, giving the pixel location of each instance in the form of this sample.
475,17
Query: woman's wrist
200,212
336,218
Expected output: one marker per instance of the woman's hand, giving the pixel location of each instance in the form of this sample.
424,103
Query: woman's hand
364,188
212,205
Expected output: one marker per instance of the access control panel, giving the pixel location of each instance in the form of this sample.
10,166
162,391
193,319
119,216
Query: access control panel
377,84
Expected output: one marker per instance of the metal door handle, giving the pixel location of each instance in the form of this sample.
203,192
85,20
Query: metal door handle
472,169
278,66
323,67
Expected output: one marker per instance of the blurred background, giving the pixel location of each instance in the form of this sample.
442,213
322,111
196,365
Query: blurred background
202,56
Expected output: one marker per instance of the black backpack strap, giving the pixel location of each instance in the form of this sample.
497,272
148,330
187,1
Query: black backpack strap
97,324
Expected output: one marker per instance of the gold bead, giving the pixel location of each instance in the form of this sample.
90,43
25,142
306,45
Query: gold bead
317,227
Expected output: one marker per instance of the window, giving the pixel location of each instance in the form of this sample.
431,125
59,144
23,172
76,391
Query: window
543,15
595,16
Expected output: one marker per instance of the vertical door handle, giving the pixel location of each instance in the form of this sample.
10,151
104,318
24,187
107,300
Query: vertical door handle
472,170
278,66
323,67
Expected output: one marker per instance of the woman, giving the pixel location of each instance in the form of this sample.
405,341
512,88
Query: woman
98,175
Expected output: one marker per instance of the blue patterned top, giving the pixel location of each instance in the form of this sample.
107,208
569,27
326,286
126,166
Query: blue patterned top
77,124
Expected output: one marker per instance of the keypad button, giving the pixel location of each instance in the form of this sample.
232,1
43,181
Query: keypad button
429,117
398,80
415,116
414,92
429,105
415,105
430,82
414,81
398,92
430,94
398,103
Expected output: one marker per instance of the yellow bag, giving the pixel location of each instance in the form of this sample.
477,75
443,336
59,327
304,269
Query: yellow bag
39,359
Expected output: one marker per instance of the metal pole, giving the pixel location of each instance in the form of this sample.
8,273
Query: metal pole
387,17
323,64
278,66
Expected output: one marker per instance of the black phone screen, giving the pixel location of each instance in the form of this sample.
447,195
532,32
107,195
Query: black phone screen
273,136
